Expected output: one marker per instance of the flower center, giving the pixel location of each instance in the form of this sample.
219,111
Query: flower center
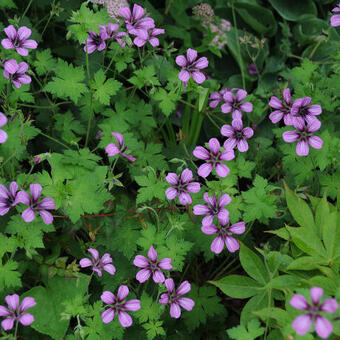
97,40
153,266
16,42
238,135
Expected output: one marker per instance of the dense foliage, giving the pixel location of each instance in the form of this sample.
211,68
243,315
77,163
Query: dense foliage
169,169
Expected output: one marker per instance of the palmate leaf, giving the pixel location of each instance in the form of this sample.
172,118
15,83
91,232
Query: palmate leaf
68,82
252,332
9,276
104,89
207,305
263,286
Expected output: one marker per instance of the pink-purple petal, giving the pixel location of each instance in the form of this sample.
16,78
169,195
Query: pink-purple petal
108,297
232,244
7,324
205,169
201,153
143,275
193,187
184,75
175,310
214,146
108,315
242,145
26,303
170,285
275,103
110,268
122,293
198,76
222,170
172,178
152,254
237,228
217,245
46,216
316,294
28,215
302,148
171,193
112,149
158,276
186,176
132,305
85,262
186,303
4,311
26,319
94,253
302,324
12,301
227,130
241,95
290,136
329,306
191,55
181,61
248,132
141,261
246,107
298,301
165,263
323,327
209,229
184,198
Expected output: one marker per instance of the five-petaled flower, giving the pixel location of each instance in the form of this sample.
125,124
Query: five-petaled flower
282,108
15,311
335,19
18,40
96,41
302,110
35,205
98,264
135,21
213,159
237,135
3,134
174,297
117,305
191,67
213,208
114,149
16,72
233,103
144,36
224,235
8,199
302,323
303,134
151,265
181,187
111,32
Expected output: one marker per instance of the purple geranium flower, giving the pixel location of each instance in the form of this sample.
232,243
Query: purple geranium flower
111,32
16,72
96,41
8,199
335,19
114,149
217,97
233,103
302,323
117,305
237,135
224,235
191,67
252,69
41,207
303,135
181,187
212,208
18,40
98,264
16,312
134,21
144,36
151,265
174,297
302,110
282,108
3,134
213,159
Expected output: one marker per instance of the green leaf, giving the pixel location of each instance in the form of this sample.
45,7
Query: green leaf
253,265
168,100
281,316
151,188
68,82
259,18
293,10
252,332
68,126
237,286
285,282
207,305
153,329
85,20
260,204
50,300
104,89
306,263
44,62
306,240
150,309
9,276
300,210
145,77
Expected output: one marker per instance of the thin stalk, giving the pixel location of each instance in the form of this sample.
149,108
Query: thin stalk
315,49
16,329
55,140
238,47
46,106
26,9
171,131
213,122
91,111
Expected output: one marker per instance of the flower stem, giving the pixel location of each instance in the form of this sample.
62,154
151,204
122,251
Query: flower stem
54,140
16,329
26,9
240,61
91,111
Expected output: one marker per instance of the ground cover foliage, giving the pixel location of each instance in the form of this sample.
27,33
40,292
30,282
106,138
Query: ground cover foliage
169,169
